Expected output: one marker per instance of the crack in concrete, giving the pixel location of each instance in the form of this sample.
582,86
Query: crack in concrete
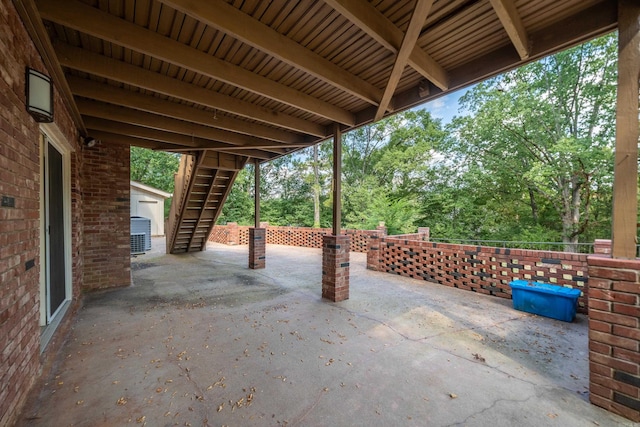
495,402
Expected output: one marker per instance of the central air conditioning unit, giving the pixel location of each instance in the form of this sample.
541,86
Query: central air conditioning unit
140,234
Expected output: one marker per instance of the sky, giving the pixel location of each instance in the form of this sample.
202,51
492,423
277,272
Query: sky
446,107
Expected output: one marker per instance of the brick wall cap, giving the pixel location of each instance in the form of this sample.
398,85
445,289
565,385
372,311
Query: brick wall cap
603,260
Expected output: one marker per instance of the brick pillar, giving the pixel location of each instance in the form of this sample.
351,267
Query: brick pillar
335,267
614,334
602,246
233,233
257,247
382,228
424,233
373,252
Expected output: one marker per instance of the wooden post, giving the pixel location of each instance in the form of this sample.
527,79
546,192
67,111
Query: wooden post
256,167
337,179
625,182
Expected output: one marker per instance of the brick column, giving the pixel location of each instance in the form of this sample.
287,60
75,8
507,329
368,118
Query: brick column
614,334
257,247
424,233
373,252
335,267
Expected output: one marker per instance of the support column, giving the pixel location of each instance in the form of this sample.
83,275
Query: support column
335,248
257,248
614,334
614,271
335,267
625,179
257,234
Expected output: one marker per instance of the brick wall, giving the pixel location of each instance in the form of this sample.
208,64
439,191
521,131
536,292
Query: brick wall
106,216
480,269
20,225
614,334
291,236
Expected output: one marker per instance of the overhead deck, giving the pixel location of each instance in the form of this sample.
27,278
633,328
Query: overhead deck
264,78
260,79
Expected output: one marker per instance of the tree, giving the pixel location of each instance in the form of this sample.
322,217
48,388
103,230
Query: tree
156,169
548,128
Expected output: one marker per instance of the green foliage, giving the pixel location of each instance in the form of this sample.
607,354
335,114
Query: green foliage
532,160
156,169
239,206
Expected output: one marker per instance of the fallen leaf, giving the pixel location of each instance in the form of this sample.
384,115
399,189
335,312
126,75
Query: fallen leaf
453,395
550,415
478,357
141,419
122,401
79,402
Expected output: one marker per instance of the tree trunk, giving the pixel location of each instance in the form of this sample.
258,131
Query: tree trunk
316,189
534,205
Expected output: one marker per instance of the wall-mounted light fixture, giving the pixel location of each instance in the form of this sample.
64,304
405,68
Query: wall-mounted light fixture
39,96
89,141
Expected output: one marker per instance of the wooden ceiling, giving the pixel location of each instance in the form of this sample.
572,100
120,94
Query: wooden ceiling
265,78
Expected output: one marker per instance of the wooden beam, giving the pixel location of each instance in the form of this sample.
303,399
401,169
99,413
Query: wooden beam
256,189
94,22
140,118
115,138
223,161
337,180
381,29
510,19
92,63
241,26
152,134
625,178
419,15
579,28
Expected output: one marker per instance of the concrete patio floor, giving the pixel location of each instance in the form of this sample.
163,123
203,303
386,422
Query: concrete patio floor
199,339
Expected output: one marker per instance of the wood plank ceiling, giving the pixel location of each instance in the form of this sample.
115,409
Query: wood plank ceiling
265,78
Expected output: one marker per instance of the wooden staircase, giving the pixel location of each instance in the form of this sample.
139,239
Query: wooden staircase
202,184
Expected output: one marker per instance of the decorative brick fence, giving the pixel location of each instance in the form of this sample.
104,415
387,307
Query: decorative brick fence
233,234
481,269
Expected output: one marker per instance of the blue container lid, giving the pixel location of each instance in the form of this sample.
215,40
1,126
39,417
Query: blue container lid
546,288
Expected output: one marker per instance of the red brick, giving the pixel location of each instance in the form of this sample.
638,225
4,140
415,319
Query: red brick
613,274
623,365
630,287
633,333
595,304
629,310
619,319
600,348
614,340
608,295
599,283
597,325
632,356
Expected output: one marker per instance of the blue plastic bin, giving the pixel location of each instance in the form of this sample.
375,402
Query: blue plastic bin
545,299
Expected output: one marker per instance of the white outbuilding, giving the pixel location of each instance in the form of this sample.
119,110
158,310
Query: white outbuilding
148,202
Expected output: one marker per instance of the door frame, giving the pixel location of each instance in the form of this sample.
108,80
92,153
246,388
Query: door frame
50,134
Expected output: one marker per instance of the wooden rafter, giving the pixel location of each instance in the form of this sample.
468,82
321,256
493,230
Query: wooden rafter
512,23
147,103
418,17
378,26
164,135
227,18
102,66
140,118
120,139
92,21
